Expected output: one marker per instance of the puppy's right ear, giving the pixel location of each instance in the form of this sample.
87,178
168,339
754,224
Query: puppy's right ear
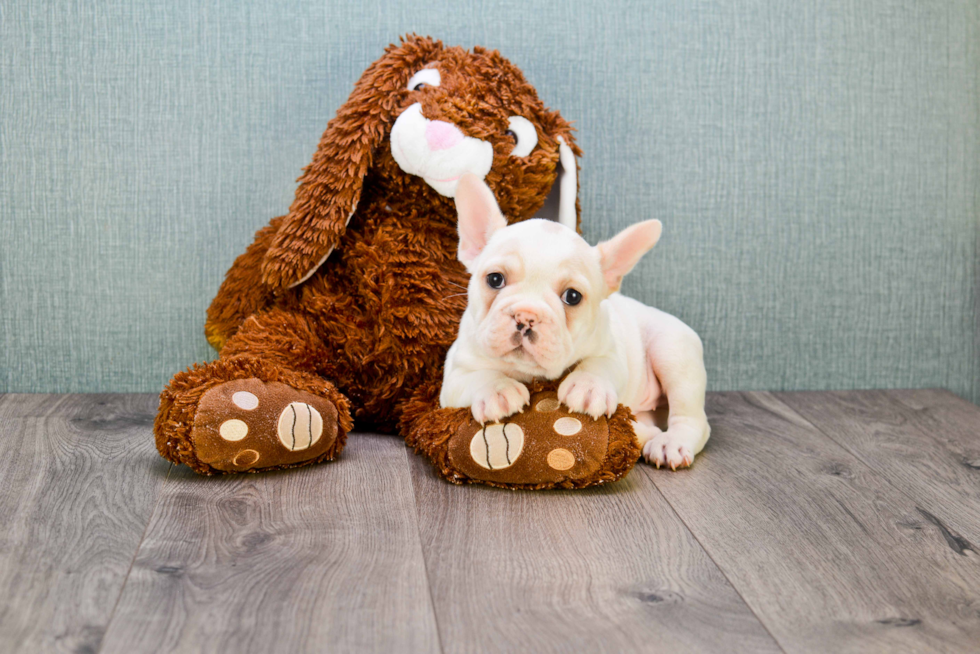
479,217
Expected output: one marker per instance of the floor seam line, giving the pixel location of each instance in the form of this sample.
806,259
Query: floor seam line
425,561
650,476
715,563
136,553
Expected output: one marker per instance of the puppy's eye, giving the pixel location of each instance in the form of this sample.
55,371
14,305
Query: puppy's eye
524,135
495,280
423,78
571,297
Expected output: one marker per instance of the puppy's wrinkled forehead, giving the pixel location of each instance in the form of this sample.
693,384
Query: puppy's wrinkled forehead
543,246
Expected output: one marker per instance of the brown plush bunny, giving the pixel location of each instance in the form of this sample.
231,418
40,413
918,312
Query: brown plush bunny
345,307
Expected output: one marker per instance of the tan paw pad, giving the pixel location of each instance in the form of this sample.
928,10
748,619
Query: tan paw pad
300,426
547,405
245,400
567,426
233,430
246,458
561,459
497,446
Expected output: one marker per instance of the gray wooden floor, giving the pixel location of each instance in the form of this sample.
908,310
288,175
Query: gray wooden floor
820,522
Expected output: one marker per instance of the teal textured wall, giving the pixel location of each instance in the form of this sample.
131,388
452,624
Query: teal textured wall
815,165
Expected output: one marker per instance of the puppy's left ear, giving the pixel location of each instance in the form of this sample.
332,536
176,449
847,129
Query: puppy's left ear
479,217
618,255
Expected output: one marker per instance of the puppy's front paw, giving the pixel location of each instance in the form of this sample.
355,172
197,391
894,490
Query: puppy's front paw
503,398
584,392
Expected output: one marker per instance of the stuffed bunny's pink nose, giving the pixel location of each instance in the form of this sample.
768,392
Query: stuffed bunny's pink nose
442,135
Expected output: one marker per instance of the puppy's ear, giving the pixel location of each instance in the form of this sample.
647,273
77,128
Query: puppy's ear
479,217
330,186
618,255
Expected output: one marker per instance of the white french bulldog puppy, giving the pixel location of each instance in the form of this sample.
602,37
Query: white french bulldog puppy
541,300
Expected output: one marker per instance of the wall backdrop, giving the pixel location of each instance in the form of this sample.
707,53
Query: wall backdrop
815,165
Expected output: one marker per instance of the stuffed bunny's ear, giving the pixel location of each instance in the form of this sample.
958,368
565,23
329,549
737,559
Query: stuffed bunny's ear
560,205
330,186
568,186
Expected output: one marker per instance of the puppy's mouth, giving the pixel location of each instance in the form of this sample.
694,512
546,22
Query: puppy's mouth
522,355
517,338
520,340
526,347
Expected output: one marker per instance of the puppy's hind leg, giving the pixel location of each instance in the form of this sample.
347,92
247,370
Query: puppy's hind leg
678,363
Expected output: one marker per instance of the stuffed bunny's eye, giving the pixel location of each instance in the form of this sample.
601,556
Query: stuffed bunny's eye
524,134
423,78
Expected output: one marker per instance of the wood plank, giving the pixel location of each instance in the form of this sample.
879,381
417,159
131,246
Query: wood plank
79,477
827,553
947,418
36,405
908,447
325,558
609,569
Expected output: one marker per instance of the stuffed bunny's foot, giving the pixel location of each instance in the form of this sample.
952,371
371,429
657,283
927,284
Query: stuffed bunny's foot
247,423
243,414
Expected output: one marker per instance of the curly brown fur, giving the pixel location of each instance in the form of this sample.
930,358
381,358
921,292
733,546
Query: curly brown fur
226,316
